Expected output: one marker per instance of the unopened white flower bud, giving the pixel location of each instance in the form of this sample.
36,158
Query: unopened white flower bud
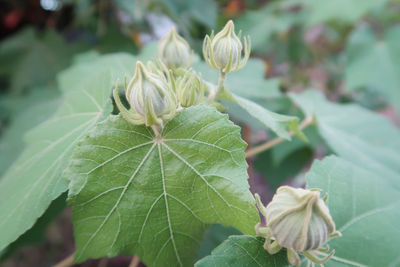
298,220
174,51
150,96
224,50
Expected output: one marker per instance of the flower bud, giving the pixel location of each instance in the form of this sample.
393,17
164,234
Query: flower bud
174,51
189,89
150,96
224,50
298,220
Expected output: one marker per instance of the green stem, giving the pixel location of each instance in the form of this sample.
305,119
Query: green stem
220,86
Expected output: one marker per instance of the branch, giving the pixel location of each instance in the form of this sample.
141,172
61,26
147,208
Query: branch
68,261
134,262
258,149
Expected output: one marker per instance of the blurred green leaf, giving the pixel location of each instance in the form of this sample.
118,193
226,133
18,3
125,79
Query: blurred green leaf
184,12
37,233
31,61
365,208
241,251
340,11
372,63
14,48
34,180
28,111
263,24
356,134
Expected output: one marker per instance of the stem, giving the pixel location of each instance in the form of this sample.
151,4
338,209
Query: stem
263,147
220,86
134,262
156,129
68,261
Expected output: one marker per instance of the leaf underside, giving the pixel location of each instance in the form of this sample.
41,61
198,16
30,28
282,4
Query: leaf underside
133,193
365,209
356,134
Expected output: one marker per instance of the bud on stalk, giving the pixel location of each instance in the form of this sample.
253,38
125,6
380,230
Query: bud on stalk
298,220
224,50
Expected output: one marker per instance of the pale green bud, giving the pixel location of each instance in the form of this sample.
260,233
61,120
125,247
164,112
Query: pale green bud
224,50
174,51
150,96
298,220
189,89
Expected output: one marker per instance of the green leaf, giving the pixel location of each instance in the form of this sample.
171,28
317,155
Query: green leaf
343,11
365,209
356,134
279,124
248,82
133,193
37,233
262,24
373,63
30,110
243,251
185,11
35,61
117,66
35,180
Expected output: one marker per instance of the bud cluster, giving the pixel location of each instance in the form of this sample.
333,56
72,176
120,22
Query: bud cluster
157,91
298,220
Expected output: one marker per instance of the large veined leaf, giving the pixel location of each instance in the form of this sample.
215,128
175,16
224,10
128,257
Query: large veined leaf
356,134
34,180
134,193
373,63
243,251
365,209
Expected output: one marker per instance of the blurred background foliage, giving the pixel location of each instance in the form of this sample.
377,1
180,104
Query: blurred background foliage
347,49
